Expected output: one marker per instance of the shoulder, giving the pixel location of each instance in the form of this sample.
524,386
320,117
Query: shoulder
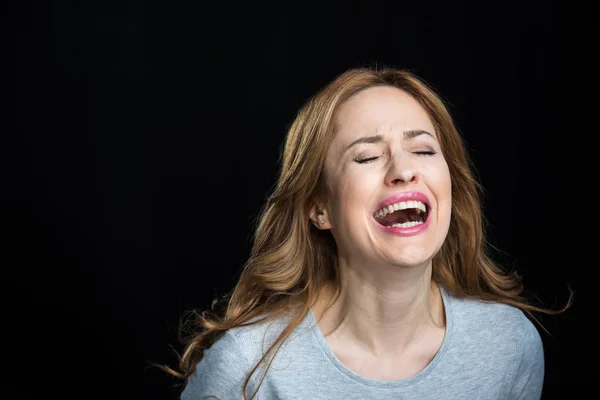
495,329
501,335
493,319
221,372
230,359
257,338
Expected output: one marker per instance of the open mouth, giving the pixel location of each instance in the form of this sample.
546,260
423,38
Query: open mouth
404,214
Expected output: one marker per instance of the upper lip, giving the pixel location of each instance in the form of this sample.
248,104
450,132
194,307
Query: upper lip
405,196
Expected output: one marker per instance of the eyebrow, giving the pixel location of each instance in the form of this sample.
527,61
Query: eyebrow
410,134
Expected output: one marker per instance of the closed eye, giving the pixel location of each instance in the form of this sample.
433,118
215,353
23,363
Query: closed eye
425,153
365,160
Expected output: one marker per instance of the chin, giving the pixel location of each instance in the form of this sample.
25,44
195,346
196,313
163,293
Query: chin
413,265
415,261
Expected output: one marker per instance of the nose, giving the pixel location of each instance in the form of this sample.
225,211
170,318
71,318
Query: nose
401,171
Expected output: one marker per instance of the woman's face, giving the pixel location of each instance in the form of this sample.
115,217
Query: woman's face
389,190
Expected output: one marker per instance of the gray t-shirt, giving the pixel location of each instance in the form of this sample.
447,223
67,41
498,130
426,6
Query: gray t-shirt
490,351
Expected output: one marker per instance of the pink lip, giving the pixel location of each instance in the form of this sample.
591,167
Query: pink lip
406,196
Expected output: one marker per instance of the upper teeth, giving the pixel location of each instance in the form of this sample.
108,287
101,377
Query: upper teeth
403,205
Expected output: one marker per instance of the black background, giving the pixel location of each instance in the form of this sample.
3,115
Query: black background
148,136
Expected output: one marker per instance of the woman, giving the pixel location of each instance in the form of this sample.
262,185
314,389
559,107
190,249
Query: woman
369,277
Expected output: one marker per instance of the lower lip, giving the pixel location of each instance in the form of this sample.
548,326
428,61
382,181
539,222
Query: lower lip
413,230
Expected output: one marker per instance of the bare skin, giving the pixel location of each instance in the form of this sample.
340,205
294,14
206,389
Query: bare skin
418,339
389,321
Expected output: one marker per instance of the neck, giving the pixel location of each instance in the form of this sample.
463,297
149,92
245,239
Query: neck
382,311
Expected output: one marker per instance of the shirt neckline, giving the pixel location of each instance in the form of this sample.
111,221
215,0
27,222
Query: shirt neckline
320,338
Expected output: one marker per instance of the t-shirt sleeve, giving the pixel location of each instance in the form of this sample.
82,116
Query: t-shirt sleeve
221,372
529,377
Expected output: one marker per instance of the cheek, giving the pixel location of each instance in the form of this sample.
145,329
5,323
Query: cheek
438,177
446,180
439,182
444,188
353,180
352,192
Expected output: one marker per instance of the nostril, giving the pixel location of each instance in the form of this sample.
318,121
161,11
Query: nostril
400,180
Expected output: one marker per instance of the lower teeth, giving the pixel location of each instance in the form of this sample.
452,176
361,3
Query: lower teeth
406,224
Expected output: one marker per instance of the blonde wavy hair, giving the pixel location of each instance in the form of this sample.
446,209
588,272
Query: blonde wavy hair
291,261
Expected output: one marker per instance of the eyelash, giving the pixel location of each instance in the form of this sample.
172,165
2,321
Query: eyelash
369,159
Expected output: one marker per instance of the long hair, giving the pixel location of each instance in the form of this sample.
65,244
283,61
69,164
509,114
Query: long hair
291,260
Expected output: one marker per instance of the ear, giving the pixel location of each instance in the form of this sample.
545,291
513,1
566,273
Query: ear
318,216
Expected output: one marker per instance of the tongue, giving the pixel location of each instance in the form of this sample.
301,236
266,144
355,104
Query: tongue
397,217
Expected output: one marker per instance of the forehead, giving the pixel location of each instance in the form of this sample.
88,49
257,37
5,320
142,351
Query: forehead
380,109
